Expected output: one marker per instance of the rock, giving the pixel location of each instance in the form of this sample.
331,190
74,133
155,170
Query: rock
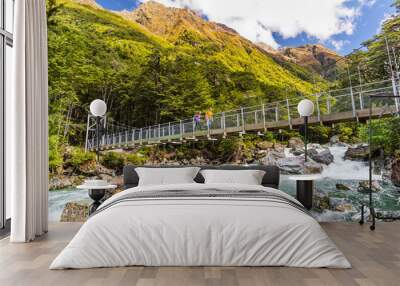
312,168
324,157
321,201
296,165
312,152
106,177
395,176
271,158
167,156
344,207
88,168
297,152
357,153
110,192
103,170
334,139
291,165
118,180
363,187
260,154
387,170
315,146
62,182
279,147
295,143
342,187
264,145
75,212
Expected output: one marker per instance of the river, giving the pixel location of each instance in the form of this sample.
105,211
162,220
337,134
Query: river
346,172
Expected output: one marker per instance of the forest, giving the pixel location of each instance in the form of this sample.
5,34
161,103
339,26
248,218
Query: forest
147,79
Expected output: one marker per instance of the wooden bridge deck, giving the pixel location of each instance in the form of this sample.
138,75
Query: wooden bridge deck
331,107
361,115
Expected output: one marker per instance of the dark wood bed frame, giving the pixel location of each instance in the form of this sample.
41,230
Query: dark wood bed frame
270,179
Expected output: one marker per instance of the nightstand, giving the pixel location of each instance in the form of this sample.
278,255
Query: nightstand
96,193
305,189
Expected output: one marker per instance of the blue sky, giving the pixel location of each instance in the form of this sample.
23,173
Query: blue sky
358,20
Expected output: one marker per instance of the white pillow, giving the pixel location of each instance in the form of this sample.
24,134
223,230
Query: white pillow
166,176
247,177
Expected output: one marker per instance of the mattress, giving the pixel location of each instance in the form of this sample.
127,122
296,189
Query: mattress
201,225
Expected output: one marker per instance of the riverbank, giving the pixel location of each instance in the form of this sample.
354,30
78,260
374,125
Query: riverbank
339,191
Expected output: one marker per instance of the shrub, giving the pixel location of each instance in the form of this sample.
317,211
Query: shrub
228,147
319,134
285,134
113,160
348,132
78,157
136,159
55,153
385,134
269,136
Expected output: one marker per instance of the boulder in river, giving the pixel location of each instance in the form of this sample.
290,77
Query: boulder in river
297,152
110,192
342,187
335,141
291,165
363,187
271,158
324,157
321,201
279,147
296,165
311,167
62,182
344,207
395,176
357,153
295,143
75,212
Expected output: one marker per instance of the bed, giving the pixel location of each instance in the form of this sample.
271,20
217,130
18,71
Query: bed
201,224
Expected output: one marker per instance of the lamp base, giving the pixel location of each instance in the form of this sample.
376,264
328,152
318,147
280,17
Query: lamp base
372,213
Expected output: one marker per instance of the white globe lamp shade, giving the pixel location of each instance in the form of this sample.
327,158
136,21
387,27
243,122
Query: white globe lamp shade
305,108
98,107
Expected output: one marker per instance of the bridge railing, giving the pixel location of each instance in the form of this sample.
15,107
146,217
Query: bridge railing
326,102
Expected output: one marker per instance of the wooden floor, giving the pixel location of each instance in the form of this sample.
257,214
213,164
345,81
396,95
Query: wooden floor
375,257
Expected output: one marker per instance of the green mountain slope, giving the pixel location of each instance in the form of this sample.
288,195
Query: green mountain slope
147,78
183,27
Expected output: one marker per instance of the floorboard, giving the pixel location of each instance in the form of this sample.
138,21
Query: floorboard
375,257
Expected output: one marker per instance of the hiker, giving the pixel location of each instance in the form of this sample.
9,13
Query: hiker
209,117
197,119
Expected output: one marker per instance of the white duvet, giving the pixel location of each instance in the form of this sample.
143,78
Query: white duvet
202,232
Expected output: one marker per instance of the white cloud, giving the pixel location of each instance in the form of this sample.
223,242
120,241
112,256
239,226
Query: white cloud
368,3
258,19
338,44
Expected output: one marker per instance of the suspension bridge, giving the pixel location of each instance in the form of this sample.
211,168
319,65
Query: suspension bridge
332,106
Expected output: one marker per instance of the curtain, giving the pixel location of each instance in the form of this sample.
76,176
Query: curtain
26,124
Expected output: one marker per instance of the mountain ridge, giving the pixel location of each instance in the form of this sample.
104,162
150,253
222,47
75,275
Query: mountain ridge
169,22
147,79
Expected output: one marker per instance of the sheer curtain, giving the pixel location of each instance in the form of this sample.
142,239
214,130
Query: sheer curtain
26,124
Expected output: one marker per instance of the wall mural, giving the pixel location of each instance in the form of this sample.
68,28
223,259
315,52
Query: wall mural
153,72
